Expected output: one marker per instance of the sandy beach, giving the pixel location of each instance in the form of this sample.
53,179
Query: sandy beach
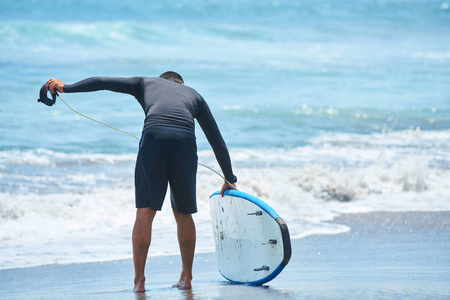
383,256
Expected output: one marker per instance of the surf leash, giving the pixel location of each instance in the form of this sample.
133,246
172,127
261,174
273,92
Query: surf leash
49,102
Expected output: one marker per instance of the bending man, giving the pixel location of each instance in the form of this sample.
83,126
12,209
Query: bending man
167,154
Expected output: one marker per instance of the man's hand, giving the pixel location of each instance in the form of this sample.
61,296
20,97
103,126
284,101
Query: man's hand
227,186
55,84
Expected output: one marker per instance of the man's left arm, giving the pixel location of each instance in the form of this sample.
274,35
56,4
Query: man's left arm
115,84
55,84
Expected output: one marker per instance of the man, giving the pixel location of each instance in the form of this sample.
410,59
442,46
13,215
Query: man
167,154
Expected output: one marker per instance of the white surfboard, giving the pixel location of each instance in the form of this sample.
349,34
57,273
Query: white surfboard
252,241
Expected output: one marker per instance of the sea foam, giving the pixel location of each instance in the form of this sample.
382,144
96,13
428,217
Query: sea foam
80,207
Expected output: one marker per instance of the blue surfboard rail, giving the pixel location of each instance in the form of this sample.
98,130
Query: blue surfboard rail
261,281
284,234
250,198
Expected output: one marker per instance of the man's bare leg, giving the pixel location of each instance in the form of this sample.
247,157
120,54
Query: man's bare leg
142,233
186,240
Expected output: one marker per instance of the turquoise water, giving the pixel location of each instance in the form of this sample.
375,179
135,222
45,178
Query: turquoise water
327,107
283,72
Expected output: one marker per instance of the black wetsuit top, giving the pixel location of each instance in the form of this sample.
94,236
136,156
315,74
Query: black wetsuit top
165,103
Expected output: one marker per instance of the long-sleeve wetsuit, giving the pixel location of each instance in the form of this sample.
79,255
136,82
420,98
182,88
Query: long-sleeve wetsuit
165,103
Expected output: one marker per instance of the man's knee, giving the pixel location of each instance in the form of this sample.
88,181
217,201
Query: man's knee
145,212
181,216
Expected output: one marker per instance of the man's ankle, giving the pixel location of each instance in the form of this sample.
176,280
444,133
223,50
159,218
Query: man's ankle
139,285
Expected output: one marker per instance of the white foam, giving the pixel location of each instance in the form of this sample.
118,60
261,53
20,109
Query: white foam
48,158
62,208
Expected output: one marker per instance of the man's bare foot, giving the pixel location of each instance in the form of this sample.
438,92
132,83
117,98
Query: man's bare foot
139,286
183,284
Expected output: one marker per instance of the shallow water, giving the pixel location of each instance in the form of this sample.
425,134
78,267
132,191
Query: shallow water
327,108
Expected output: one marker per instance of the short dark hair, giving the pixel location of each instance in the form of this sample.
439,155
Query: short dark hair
172,76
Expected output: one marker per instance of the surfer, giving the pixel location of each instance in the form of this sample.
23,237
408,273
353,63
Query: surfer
167,154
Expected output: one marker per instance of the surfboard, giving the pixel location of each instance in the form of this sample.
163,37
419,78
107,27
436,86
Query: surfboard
252,241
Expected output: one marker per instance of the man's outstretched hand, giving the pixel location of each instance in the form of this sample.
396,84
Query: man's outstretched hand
55,84
227,186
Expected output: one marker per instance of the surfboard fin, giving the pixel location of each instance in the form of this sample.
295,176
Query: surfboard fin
270,242
256,213
263,268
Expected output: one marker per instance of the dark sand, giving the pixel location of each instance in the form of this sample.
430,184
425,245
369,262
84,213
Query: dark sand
384,256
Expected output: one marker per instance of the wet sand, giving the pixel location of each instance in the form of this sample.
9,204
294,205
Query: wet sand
385,255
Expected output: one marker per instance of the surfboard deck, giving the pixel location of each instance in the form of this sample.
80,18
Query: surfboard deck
252,241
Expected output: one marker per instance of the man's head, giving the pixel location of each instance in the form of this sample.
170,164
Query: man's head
172,76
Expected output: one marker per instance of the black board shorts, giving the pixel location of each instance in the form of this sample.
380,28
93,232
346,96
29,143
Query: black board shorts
167,155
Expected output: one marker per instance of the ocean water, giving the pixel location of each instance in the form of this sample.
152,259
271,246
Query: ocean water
327,107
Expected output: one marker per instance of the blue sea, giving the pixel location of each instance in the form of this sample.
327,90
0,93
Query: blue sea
327,107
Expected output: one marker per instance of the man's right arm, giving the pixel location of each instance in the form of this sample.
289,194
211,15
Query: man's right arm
215,139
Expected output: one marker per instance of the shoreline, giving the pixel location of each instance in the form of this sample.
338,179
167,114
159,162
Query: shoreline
384,255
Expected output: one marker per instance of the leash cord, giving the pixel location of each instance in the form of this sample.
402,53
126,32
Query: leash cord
121,131
96,120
